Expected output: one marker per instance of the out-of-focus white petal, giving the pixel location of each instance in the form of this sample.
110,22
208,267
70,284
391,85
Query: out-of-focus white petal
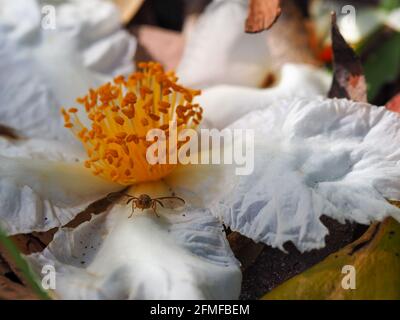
218,50
180,255
51,67
364,23
393,20
224,104
356,21
311,157
43,184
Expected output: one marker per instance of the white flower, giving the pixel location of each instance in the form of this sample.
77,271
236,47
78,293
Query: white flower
219,52
312,157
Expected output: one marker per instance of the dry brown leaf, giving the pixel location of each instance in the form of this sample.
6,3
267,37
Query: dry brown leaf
128,9
26,244
10,290
262,15
157,44
4,267
348,78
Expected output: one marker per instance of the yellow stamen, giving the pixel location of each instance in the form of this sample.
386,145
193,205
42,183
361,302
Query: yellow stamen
121,113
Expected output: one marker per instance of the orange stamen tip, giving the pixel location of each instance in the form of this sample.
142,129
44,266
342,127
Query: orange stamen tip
122,112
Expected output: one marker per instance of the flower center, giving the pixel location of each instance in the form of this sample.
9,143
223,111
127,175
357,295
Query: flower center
121,113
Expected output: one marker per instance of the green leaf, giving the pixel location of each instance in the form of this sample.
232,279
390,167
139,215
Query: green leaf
383,65
389,4
376,259
23,266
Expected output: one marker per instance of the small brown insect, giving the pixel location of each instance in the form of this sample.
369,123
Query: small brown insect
144,201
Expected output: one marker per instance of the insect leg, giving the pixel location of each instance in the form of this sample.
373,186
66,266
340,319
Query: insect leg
133,207
158,201
154,207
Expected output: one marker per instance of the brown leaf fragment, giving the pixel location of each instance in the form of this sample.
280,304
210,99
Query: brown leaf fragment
10,290
394,103
348,77
4,267
26,244
8,132
262,15
245,249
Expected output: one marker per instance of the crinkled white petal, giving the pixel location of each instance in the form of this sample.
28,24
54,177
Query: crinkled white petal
218,51
311,157
180,255
225,104
47,68
26,102
43,184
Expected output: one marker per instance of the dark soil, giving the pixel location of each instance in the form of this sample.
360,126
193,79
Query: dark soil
273,266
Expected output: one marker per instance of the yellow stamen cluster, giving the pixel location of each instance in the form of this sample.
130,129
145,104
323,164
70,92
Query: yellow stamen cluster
120,115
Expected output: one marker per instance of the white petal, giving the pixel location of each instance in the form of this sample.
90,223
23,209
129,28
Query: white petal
366,21
43,184
218,50
311,157
393,20
26,102
355,21
176,256
225,104
49,67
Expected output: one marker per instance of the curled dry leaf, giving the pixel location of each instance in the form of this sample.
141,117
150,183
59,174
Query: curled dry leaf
262,15
348,78
376,260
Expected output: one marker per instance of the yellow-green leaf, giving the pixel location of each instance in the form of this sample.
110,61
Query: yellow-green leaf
376,261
